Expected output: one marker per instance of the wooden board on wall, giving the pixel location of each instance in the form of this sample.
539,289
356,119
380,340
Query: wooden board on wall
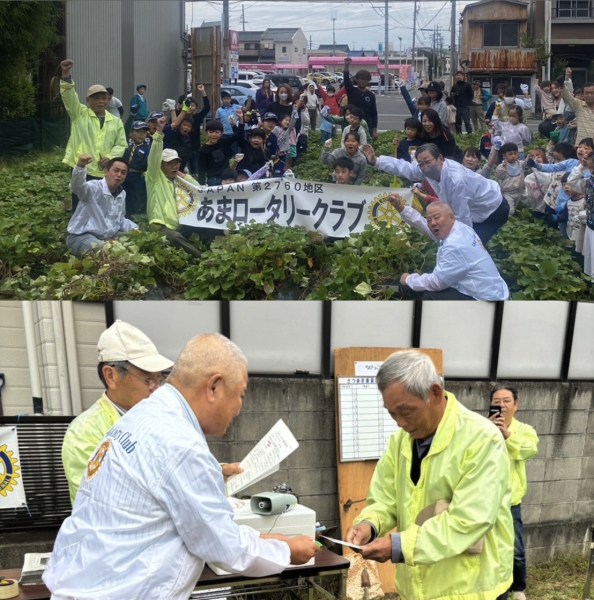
354,477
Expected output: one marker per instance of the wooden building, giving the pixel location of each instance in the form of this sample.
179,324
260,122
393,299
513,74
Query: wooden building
491,43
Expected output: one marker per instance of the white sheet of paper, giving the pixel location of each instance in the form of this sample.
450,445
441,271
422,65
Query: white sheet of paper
351,546
367,368
264,459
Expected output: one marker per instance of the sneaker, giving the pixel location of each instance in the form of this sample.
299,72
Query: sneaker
519,596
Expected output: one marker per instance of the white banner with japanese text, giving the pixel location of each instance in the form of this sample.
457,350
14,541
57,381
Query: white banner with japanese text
12,492
333,210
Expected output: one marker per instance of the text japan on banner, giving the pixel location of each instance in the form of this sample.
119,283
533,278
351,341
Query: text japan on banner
334,210
12,492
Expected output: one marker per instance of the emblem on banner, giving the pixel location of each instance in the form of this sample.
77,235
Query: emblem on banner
98,459
381,211
186,201
8,471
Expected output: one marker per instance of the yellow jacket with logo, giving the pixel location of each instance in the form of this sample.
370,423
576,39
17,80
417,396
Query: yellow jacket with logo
87,136
83,437
162,202
468,466
522,444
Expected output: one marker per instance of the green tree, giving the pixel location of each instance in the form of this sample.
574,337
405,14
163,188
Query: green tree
29,30
540,45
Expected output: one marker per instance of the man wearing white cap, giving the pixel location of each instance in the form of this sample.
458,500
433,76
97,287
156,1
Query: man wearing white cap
163,186
94,131
130,368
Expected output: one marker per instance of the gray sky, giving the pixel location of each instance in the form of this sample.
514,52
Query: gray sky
357,23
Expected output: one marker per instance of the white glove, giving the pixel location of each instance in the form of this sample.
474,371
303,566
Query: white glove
324,112
288,173
328,144
524,88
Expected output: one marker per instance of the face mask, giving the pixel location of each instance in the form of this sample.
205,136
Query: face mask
283,97
509,100
432,173
514,120
514,169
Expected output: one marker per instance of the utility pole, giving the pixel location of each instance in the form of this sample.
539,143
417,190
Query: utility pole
386,59
453,61
243,21
334,15
225,32
310,43
414,39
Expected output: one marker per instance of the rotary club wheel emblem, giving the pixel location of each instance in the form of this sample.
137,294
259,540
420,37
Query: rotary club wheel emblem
97,461
8,471
381,211
186,202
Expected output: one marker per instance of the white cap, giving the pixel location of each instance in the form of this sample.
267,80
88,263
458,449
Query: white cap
122,341
169,155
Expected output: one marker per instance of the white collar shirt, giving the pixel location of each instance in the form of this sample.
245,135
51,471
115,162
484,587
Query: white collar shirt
473,198
462,263
151,511
98,212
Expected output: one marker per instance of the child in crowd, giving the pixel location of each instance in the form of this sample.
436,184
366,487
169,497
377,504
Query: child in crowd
213,158
360,96
326,127
350,150
451,113
136,156
547,100
345,120
255,155
269,123
575,205
178,134
344,170
225,111
286,136
331,98
407,148
565,130
556,199
152,125
472,160
578,174
228,176
536,182
357,117
512,131
511,177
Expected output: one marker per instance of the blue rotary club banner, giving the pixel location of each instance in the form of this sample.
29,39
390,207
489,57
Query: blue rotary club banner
12,492
333,210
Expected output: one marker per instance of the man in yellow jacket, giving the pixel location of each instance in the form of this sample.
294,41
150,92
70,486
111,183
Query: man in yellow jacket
444,482
131,369
522,443
94,130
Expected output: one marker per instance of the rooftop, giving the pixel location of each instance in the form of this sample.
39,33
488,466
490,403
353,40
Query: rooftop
281,34
341,47
250,36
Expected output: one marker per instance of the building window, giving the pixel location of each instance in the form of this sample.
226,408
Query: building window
574,9
304,50
284,50
501,35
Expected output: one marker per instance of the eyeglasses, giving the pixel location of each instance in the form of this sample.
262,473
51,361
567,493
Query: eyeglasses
153,382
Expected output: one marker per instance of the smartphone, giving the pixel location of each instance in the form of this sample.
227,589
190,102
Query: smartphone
494,410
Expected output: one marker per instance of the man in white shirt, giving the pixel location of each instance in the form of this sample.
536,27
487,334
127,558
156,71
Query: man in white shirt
114,105
101,211
151,509
475,200
464,270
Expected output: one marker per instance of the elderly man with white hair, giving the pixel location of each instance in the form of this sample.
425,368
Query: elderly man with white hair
464,271
151,509
444,482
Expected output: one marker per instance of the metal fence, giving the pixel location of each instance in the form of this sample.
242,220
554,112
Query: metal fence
44,131
46,488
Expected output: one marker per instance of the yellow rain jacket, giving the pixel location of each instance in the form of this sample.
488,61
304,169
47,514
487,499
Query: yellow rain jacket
468,466
83,437
161,192
87,136
522,444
